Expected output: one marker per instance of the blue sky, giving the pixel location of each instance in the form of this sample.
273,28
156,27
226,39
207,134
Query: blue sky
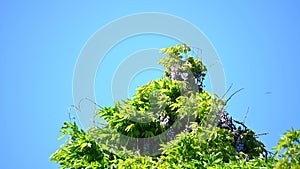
257,42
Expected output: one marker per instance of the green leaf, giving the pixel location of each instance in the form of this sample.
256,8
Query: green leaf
128,128
83,145
61,137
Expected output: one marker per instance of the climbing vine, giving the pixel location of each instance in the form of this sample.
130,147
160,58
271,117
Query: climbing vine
208,137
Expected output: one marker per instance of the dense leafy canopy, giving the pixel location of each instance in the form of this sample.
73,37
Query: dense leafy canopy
187,126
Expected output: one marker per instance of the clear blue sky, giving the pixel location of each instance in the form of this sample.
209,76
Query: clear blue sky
257,42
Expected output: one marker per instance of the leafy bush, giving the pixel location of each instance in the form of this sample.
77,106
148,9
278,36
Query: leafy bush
80,150
207,137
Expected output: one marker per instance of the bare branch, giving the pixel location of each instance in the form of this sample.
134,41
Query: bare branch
240,123
234,94
246,115
226,91
261,134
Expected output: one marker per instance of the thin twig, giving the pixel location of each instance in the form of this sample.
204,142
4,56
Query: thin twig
78,108
246,115
197,51
94,102
229,96
261,134
69,112
241,123
226,91
234,94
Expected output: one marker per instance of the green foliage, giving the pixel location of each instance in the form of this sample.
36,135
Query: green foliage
123,117
175,102
289,145
188,150
156,106
80,150
191,150
182,66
